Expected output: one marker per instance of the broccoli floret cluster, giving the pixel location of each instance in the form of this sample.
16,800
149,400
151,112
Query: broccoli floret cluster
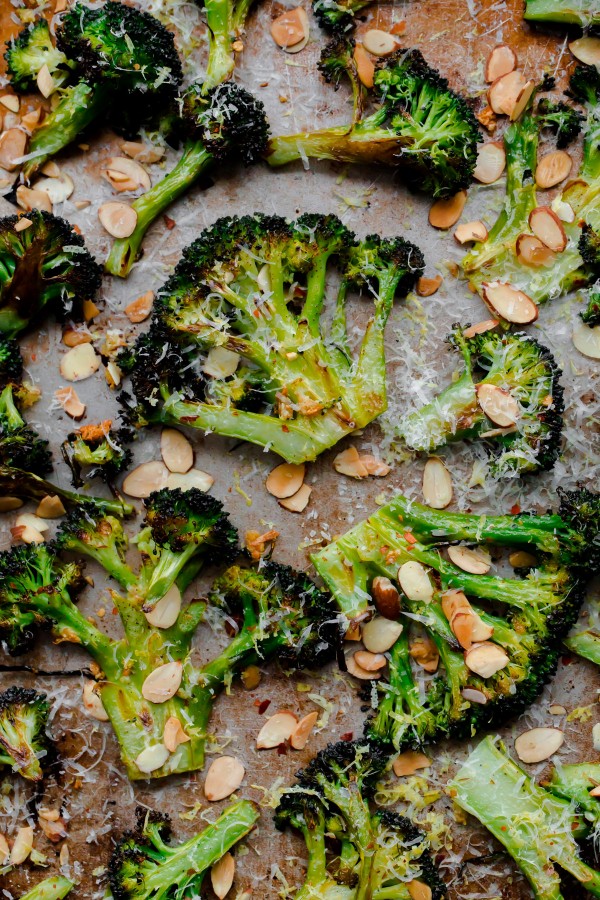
20,445
100,450
29,52
24,744
338,16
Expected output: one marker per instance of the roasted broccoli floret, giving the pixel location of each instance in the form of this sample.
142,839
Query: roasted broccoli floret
225,124
352,851
20,445
44,267
24,743
591,313
540,829
245,305
338,16
493,641
99,449
29,52
53,888
512,378
144,865
563,12
125,68
584,87
564,120
226,20
336,63
29,486
420,125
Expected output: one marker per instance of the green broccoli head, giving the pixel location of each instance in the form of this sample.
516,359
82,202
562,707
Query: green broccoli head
20,446
228,121
24,743
338,16
28,52
580,511
589,248
180,519
100,449
584,84
44,267
337,60
564,121
591,314
11,362
376,262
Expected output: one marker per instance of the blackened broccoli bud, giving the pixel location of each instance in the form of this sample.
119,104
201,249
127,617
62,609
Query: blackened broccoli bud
44,267
228,121
589,247
180,519
376,260
11,362
336,59
24,744
28,52
100,449
564,120
360,763
338,16
581,510
20,446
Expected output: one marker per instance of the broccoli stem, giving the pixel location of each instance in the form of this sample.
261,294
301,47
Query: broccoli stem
221,60
574,782
107,557
18,483
343,143
562,12
54,888
166,571
79,106
585,644
124,252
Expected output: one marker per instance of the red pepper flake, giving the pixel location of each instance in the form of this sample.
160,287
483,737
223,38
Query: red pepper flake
410,537
347,736
285,428
263,706
114,611
169,222
515,510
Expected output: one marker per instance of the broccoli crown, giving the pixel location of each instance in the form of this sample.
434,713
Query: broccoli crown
23,739
591,314
375,260
83,530
584,84
589,247
11,362
44,267
228,121
31,49
178,519
337,60
580,513
100,447
338,16
20,446
346,763
564,120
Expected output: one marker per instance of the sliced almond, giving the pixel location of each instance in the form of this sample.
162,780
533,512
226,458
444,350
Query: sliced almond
538,744
139,310
294,48
224,776
58,189
505,91
587,340
29,198
50,507
469,232
118,219
27,534
446,213
370,662
22,846
423,650
285,480
415,582
553,168
480,327
586,50
173,734
176,450
532,252
564,211
290,27
73,338
379,43
476,562
486,659
453,602
11,102
92,702
152,758
474,696
557,710
8,504
126,174
386,597
365,67
522,100
358,671
379,634
32,521
409,762
163,683
222,875
221,363
299,501
520,559
437,484
22,224
12,147
349,463
303,729
146,478
113,374
144,153
31,120
195,478
498,405
276,730
418,890
375,467
546,226
54,829
70,402
79,363
491,162
510,303
427,287
51,169
501,61
166,611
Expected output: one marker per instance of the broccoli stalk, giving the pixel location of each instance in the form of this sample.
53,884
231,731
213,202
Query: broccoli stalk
53,888
338,16
227,123
144,865
252,291
524,634
337,61
574,782
537,828
23,739
226,20
29,486
31,50
519,366
583,13
421,125
585,643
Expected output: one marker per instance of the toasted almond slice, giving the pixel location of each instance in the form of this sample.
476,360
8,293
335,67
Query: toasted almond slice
349,463
22,846
144,153
58,189
522,100
509,303
11,102
586,50
299,501
505,91
12,147
386,597
303,729
498,405
437,484
424,652
23,223
8,504
224,776
32,521
379,634
462,625
51,169
491,162
520,559
45,81
564,211
353,632
173,734
79,363
471,231
55,831
31,120
118,219
176,450
453,602
485,659
50,507
474,561
195,478
480,327
152,758
532,252
501,61
379,43
370,662
27,534
73,338
595,792
276,730
474,696
365,67
538,744
221,363
134,174
446,213
290,27
427,287
418,890
146,478
414,581
285,480
546,226
557,710
222,875
553,168
375,467
480,631
113,374
358,671
587,340
139,310
163,683
295,48
92,702
166,611
29,198
409,762
70,402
